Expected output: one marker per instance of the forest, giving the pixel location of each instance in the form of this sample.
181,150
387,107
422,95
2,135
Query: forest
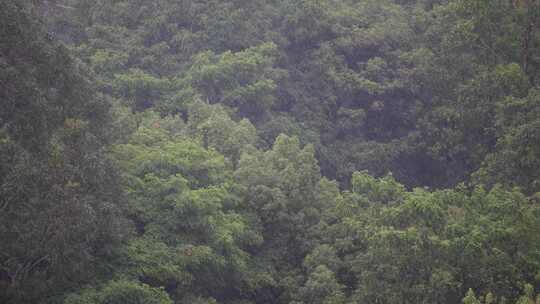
270,151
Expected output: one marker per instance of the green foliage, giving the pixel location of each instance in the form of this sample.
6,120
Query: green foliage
284,188
121,292
322,287
384,190
189,153
60,201
408,87
245,80
515,159
140,88
438,244
213,126
470,298
182,199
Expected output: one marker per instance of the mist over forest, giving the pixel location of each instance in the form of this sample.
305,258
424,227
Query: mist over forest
270,151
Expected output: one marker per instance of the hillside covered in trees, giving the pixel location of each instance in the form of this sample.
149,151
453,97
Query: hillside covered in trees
270,151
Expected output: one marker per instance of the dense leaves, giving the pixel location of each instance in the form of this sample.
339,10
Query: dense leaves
250,152
59,200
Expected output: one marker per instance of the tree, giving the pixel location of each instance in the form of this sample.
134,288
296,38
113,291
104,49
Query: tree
121,292
470,298
515,159
60,199
245,80
190,238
